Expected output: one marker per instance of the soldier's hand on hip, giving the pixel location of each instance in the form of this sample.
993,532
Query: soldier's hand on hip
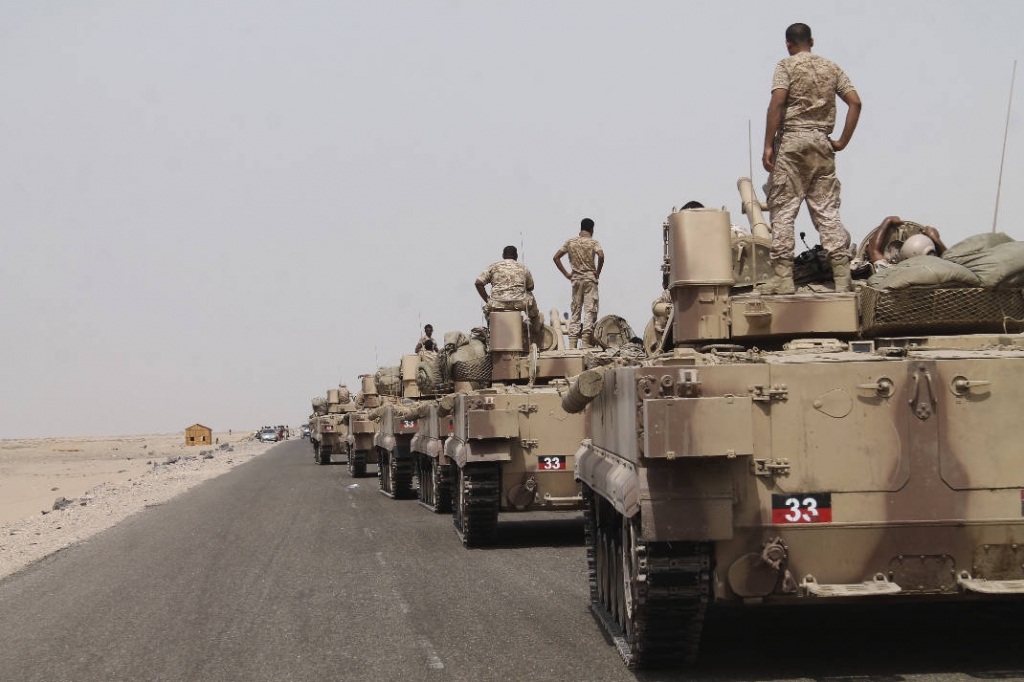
767,159
836,146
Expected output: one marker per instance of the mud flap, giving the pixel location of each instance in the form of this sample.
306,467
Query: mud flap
483,451
610,477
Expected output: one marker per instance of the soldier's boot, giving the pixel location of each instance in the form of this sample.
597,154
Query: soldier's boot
841,273
782,281
588,340
572,342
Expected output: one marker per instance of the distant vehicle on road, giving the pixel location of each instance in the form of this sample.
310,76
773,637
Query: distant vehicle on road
268,435
305,430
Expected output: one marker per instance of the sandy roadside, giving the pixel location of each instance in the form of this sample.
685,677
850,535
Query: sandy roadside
101,481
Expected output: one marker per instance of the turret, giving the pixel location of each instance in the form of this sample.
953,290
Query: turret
711,273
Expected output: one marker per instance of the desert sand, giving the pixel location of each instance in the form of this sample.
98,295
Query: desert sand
55,492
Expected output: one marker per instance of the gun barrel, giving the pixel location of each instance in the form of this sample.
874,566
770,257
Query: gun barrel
583,390
752,207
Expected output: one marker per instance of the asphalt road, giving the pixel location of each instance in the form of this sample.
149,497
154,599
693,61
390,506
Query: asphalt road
281,570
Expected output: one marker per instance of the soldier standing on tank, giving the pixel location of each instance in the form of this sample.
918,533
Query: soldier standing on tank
582,250
511,289
428,335
800,157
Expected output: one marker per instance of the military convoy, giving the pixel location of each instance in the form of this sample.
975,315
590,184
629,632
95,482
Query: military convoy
785,449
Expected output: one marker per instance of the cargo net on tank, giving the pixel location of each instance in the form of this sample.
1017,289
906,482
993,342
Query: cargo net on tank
952,310
463,357
477,370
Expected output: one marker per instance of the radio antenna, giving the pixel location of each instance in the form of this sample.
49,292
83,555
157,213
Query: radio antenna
1006,134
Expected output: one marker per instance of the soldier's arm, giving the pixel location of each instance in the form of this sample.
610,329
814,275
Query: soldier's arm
878,241
480,289
852,100
933,234
600,263
529,279
776,107
558,262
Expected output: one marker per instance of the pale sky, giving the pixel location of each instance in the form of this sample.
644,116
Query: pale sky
211,211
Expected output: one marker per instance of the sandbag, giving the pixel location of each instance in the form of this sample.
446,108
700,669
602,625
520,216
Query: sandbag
455,339
389,380
319,405
925,271
999,266
428,376
472,350
344,395
963,252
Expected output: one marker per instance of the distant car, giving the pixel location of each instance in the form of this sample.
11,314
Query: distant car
305,430
268,435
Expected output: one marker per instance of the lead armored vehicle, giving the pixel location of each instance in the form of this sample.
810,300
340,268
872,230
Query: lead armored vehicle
855,447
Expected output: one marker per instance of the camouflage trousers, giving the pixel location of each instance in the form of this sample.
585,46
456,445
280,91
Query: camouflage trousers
805,170
527,305
584,306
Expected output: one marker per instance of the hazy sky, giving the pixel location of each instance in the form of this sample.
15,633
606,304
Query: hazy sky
213,211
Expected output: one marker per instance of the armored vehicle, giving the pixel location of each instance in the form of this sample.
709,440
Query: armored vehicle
512,444
328,425
434,471
853,447
361,429
396,427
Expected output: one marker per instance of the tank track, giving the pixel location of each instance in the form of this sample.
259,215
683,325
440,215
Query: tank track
475,507
670,587
435,484
357,464
394,474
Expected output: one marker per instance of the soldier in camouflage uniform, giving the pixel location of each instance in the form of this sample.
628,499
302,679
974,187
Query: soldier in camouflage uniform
511,289
800,156
582,250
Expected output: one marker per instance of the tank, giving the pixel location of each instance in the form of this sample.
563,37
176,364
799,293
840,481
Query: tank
397,422
328,425
434,472
791,449
512,445
359,446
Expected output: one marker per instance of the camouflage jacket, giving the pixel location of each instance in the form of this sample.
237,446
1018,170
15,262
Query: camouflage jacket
510,280
813,83
581,252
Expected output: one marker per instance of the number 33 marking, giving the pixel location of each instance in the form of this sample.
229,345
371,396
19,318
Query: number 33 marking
801,511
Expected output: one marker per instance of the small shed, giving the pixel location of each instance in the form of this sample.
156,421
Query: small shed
197,434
